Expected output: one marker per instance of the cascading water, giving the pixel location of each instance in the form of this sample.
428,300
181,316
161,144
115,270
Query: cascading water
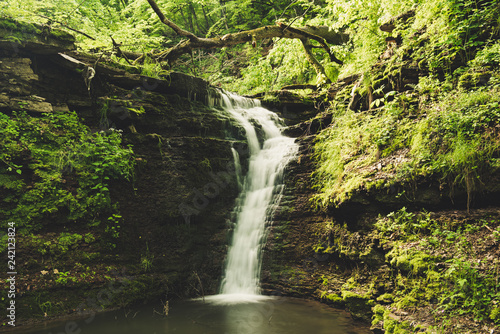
238,308
261,190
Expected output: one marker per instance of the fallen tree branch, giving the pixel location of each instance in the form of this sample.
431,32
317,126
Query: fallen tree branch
293,87
319,39
280,31
314,62
119,52
179,31
66,26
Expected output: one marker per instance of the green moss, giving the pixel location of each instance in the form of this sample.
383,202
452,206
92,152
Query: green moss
406,302
352,296
413,261
433,286
473,79
386,298
8,25
394,327
20,32
378,314
18,26
390,322
359,305
333,298
495,314
62,35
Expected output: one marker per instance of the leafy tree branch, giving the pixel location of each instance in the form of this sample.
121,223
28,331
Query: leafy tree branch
306,35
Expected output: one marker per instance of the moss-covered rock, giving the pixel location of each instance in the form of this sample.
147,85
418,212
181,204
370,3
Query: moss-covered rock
470,80
40,39
386,298
332,298
413,261
359,305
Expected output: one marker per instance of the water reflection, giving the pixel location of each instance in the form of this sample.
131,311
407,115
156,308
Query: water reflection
270,316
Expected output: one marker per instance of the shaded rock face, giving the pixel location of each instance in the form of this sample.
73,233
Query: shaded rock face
336,254
185,185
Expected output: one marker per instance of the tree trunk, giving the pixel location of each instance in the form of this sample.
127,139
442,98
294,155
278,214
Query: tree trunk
193,12
320,70
207,19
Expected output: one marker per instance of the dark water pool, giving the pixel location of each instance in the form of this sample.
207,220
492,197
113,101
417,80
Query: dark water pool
269,316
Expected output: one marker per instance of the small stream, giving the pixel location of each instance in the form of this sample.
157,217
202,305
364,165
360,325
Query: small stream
270,316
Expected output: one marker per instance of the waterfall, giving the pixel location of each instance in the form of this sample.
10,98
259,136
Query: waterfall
261,189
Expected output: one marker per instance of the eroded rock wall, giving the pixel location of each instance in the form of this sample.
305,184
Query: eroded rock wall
173,225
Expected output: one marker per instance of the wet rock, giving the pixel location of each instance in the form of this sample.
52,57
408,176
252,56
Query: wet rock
39,39
359,305
30,105
182,150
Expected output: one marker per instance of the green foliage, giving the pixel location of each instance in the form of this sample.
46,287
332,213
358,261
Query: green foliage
488,56
403,224
89,238
456,142
68,240
441,33
470,291
332,298
56,247
446,33
63,278
129,22
147,260
361,19
113,226
285,64
410,261
352,143
455,282
55,165
495,315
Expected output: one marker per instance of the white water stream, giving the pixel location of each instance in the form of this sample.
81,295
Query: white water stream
262,187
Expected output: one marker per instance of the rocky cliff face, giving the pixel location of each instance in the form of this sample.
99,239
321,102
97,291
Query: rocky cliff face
173,215
408,255
344,256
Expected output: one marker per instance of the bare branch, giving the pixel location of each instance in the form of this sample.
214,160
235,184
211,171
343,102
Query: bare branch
178,30
66,26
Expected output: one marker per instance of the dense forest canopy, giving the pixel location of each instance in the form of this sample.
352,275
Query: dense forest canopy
279,61
120,26
136,28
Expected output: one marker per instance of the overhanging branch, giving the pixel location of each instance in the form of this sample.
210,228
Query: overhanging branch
280,31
